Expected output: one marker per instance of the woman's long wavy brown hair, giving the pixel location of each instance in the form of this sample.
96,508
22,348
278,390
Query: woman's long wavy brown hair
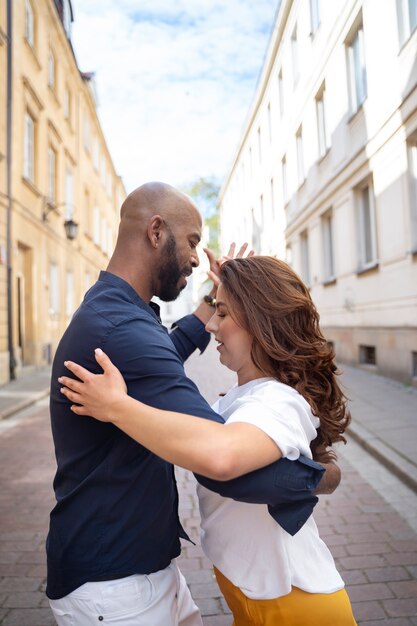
271,302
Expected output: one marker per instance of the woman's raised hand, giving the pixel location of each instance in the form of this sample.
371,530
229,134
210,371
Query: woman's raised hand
215,264
97,395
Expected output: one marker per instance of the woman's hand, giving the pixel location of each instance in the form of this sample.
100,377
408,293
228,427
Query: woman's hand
215,264
99,395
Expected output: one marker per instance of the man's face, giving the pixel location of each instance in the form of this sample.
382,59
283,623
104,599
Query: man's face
179,257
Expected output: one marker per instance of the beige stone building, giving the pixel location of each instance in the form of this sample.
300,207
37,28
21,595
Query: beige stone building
326,171
64,195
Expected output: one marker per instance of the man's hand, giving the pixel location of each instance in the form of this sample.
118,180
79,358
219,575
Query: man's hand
331,478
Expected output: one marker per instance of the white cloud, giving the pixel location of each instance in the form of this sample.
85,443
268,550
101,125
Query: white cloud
175,80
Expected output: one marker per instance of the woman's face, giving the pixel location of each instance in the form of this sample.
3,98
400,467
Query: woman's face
234,342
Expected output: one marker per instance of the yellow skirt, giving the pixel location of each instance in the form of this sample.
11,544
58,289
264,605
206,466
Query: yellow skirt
298,608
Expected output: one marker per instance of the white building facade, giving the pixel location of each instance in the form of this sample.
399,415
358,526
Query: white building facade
326,172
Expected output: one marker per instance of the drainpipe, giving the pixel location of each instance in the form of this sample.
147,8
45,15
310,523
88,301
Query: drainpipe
12,359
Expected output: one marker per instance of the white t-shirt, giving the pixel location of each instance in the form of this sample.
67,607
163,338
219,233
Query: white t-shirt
242,540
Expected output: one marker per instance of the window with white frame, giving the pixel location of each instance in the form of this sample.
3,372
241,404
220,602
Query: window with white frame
288,255
269,122
51,70
54,300
69,194
29,23
314,16
281,93
322,127
294,55
272,192
407,18
305,258
300,156
256,234
96,225
259,144
328,246
29,148
69,293
284,179
412,173
366,225
51,175
250,162
358,89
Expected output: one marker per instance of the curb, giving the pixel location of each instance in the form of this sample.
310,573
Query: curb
23,404
397,464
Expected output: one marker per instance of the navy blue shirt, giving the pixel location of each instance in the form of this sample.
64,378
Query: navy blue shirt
117,502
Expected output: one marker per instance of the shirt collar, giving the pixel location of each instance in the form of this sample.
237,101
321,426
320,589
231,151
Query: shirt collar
120,283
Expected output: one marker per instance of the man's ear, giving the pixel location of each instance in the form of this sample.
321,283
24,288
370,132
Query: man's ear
155,228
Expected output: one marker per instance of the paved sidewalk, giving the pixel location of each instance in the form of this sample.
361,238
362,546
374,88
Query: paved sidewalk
33,385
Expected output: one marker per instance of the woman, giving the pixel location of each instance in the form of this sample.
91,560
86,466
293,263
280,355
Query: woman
286,401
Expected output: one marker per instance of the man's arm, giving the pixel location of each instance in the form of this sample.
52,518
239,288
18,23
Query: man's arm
155,375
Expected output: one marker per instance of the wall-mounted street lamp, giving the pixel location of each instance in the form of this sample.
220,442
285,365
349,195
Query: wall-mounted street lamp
71,227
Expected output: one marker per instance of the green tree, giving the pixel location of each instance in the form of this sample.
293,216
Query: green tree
204,192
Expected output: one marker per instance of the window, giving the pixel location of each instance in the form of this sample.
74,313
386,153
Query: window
256,234
300,156
407,18
51,70
322,134
67,104
96,155
250,162
288,255
269,122
284,179
109,240
281,93
305,258
328,247
356,69
294,55
87,281
69,195
367,355
412,173
52,175
103,235
259,144
314,16
366,226
96,226
69,293
29,23
54,307
29,148
272,198
86,134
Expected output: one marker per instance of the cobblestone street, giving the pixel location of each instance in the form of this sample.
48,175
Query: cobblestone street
364,523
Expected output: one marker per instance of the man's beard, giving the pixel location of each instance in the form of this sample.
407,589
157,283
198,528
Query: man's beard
170,272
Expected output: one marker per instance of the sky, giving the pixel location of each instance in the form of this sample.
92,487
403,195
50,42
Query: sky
175,81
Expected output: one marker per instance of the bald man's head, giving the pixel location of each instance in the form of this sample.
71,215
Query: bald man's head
160,228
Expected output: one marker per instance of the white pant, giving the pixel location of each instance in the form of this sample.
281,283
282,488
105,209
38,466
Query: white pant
159,599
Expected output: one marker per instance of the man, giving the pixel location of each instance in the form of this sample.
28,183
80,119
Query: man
114,533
